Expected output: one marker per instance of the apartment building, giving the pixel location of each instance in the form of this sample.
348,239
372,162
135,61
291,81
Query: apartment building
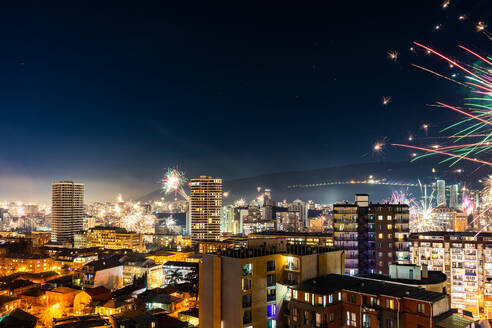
334,301
246,287
466,259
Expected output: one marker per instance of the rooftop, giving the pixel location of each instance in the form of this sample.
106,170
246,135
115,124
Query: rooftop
435,277
452,233
81,322
290,234
333,282
299,250
181,264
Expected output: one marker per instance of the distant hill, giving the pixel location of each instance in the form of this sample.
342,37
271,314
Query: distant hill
391,171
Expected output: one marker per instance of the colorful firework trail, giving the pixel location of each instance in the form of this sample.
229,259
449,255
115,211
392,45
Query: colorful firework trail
476,122
173,182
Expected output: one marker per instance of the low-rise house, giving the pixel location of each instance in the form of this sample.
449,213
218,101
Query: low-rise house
19,286
114,306
18,319
33,298
175,272
89,321
86,300
107,272
61,295
191,316
8,304
145,319
165,302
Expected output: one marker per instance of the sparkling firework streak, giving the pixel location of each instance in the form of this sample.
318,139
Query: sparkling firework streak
393,55
173,182
476,113
386,100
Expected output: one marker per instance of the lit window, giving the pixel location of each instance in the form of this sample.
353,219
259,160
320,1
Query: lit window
306,297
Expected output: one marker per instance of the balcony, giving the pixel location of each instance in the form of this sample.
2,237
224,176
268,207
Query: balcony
291,267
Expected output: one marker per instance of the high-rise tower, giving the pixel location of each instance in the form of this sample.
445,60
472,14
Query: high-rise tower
205,206
67,210
441,193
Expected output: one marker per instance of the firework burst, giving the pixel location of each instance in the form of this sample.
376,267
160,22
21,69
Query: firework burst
476,124
173,183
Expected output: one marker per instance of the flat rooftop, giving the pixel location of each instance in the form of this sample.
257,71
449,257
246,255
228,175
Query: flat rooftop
300,250
333,282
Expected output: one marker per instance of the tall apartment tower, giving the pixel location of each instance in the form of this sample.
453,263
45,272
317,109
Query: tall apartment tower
67,210
441,192
453,196
206,207
372,235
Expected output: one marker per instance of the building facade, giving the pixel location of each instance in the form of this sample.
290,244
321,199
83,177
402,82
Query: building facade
67,210
466,259
335,301
205,207
247,287
372,235
109,238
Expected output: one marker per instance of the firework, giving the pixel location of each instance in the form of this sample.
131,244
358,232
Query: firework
173,182
462,17
386,100
437,27
225,194
480,26
378,146
476,113
445,4
392,55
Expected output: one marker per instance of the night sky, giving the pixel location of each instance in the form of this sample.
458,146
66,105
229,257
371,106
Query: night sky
112,95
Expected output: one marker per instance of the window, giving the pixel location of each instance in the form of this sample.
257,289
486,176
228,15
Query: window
246,300
294,314
246,282
330,298
420,308
294,294
390,226
380,217
318,319
271,295
272,323
271,280
272,310
366,320
306,317
306,297
389,217
390,304
380,236
332,316
320,300
271,265
352,298
390,236
390,254
339,296
389,323
351,319
246,317
324,301
247,269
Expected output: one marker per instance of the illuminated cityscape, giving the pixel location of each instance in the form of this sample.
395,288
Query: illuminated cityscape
259,165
